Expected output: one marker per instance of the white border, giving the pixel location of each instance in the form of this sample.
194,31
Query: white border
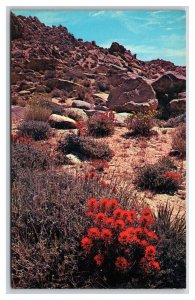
4,129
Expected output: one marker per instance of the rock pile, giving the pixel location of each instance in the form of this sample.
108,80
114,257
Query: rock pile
50,60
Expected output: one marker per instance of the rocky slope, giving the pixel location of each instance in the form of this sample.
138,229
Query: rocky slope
51,60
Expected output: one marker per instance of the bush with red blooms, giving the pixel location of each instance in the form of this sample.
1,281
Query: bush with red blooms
17,139
101,124
120,240
82,128
161,177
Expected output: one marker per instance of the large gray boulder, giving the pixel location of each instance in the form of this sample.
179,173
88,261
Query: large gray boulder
133,94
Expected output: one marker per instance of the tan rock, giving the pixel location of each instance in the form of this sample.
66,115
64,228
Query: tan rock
61,122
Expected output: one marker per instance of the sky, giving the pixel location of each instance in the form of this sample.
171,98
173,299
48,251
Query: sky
151,34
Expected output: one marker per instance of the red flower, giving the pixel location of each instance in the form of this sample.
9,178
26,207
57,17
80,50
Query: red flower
146,220
86,244
146,212
131,231
90,214
99,259
121,263
156,265
99,218
104,204
132,214
106,235
139,233
92,204
117,213
143,243
125,215
94,232
119,224
134,239
150,252
148,265
172,175
151,234
109,222
123,238
113,204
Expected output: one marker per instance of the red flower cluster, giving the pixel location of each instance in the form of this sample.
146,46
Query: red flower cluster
148,262
99,259
20,139
172,175
121,263
82,128
121,231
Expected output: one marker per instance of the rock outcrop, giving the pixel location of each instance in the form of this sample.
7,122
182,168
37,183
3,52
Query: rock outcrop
134,94
50,60
170,83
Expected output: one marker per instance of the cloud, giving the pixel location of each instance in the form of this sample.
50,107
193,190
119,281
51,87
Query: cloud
156,51
97,13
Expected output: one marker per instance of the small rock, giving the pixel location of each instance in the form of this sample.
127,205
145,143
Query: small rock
76,114
74,160
61,122
24,93
81,104
121,118
177,105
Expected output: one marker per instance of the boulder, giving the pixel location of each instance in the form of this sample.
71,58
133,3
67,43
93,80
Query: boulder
177,105
121,118
116,47
16,27
62,84
103,97
170,82
73,160
38,64
81,104
133,94
77,114
41,88
61,122
17,112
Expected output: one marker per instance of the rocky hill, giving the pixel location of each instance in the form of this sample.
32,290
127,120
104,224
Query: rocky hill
51,60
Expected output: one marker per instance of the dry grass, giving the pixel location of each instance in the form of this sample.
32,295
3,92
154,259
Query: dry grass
37,113
179,140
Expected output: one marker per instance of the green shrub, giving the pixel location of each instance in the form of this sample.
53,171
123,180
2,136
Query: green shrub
141,123
86,148
38,130
179,140
160,177
101,124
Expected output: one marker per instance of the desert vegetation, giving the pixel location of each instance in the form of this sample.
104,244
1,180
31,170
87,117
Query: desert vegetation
97,171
